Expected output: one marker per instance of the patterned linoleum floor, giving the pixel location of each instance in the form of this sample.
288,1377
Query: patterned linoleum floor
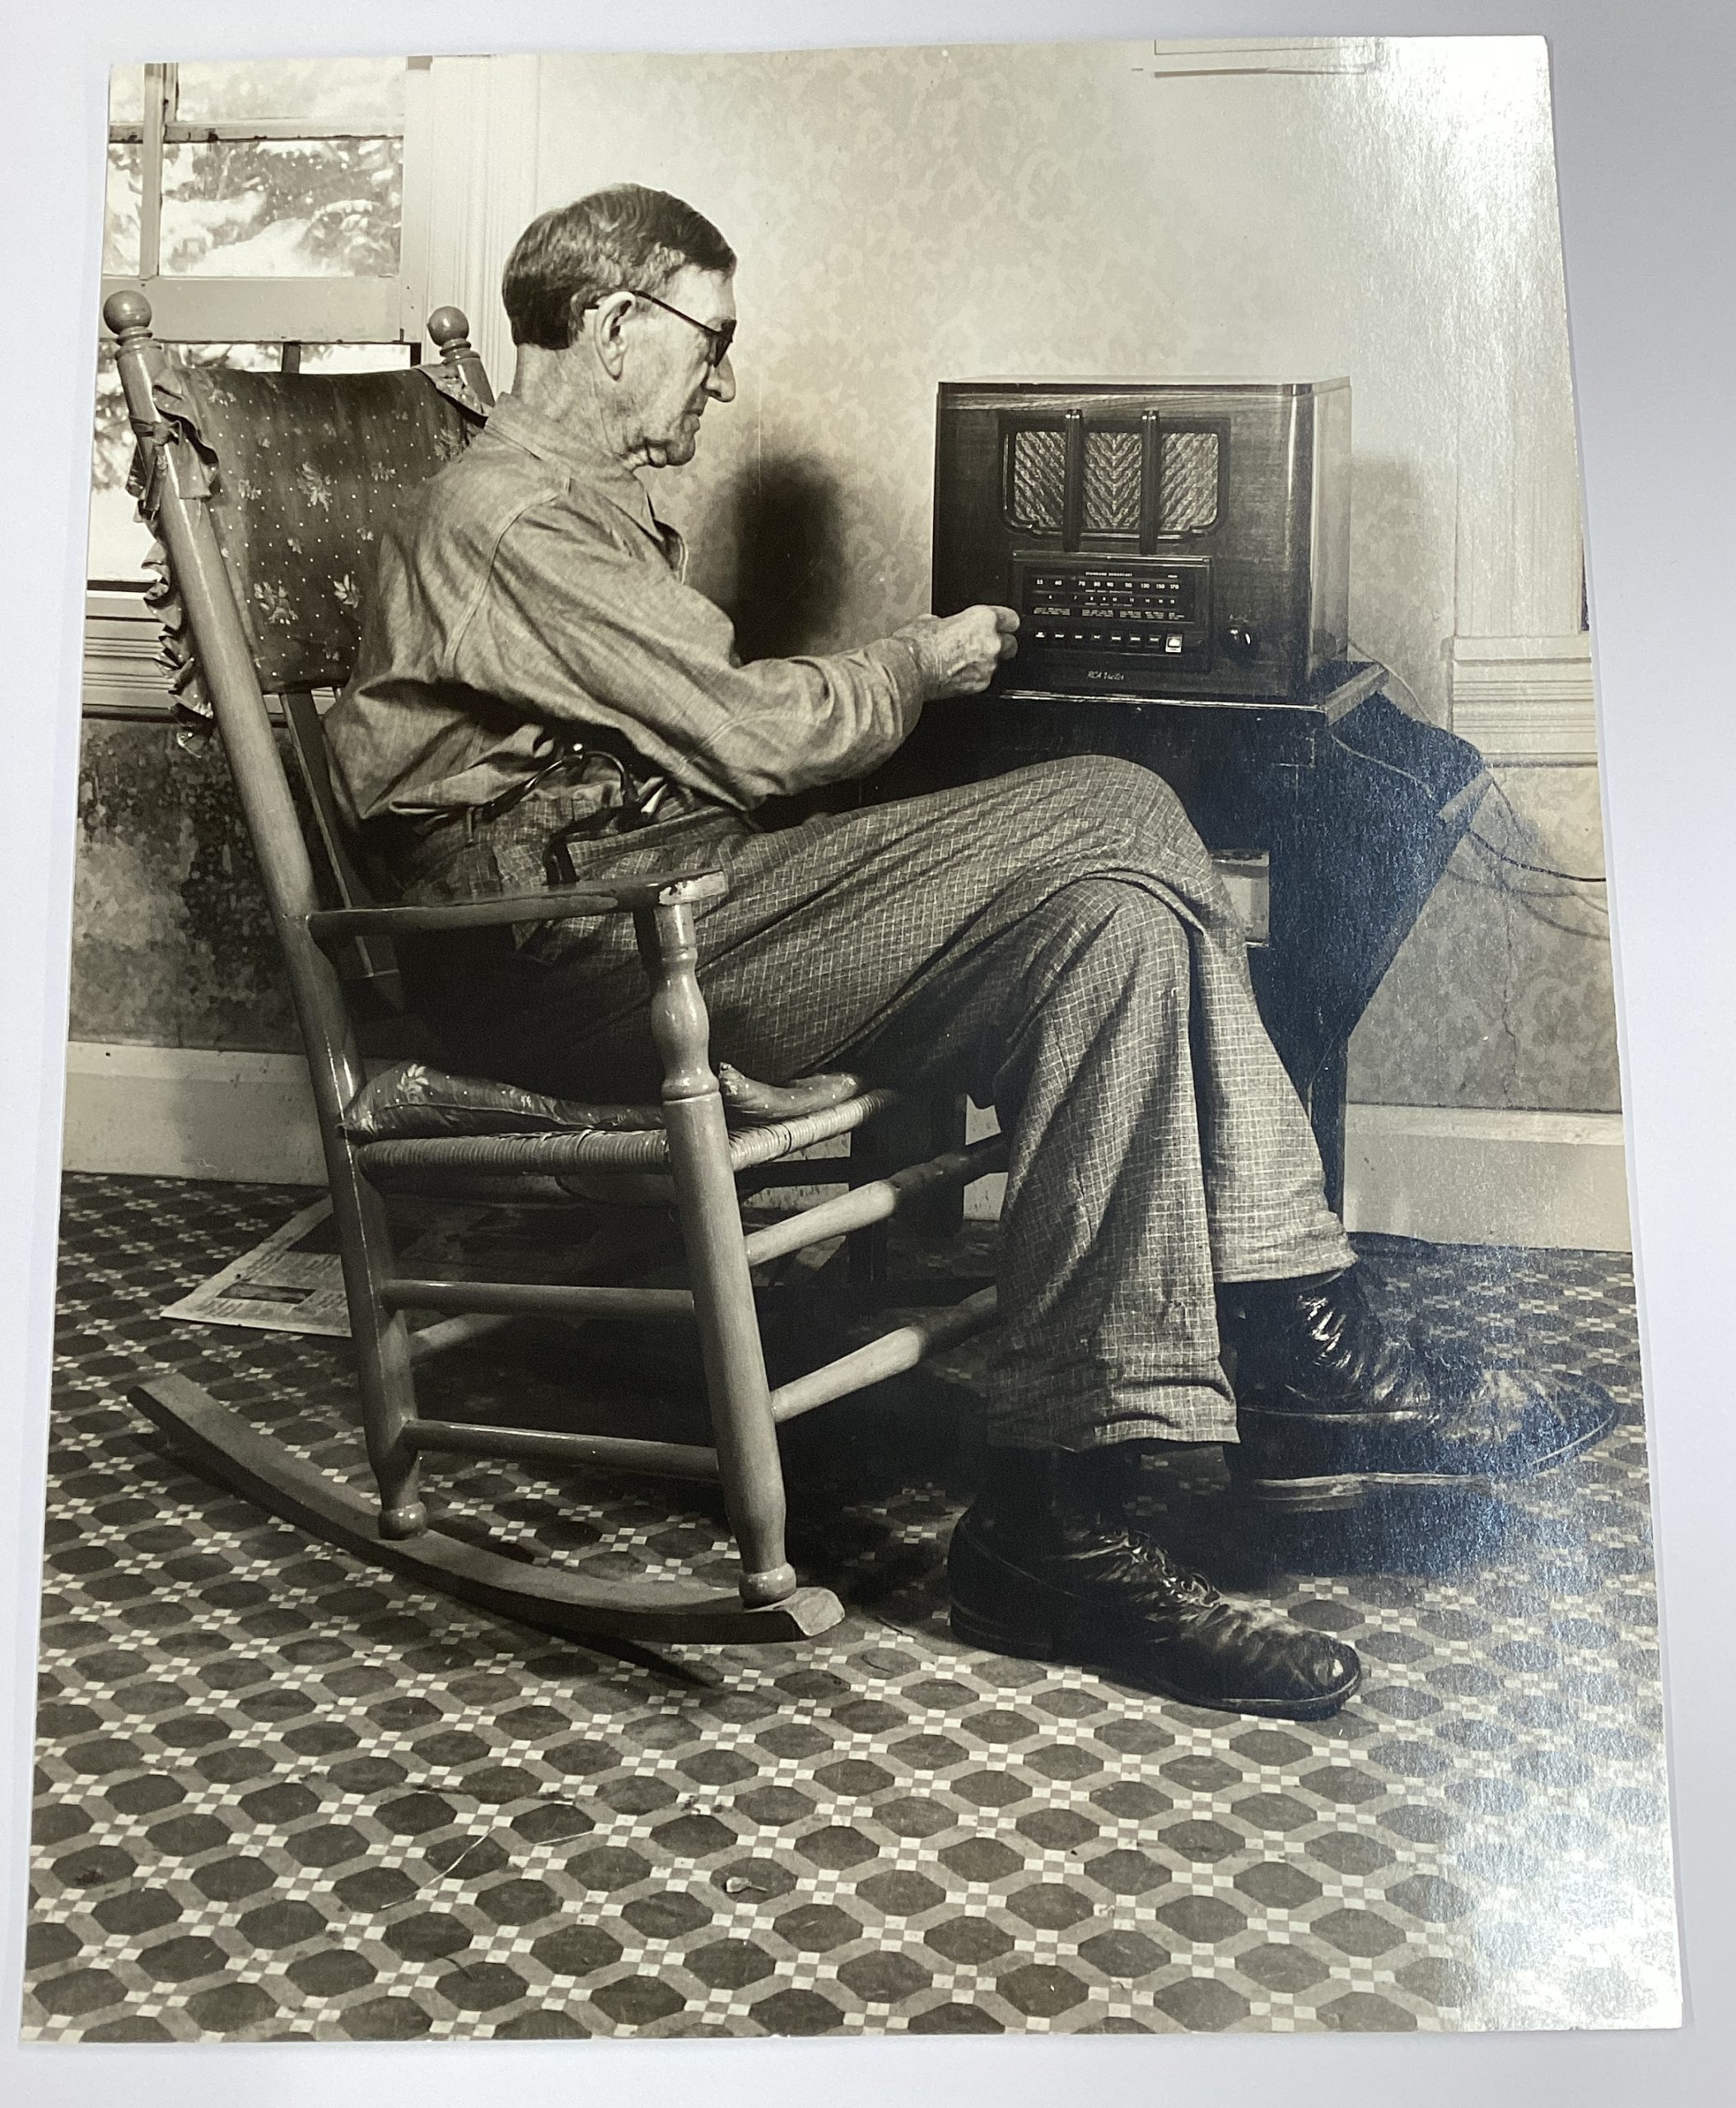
284,1795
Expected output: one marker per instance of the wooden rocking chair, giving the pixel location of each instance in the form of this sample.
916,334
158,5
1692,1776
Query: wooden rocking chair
266,492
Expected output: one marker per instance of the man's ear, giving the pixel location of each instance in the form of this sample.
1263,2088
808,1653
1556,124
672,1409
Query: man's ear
604,322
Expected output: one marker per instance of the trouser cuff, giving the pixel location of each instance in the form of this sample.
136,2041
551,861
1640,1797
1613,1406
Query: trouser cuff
1189,1411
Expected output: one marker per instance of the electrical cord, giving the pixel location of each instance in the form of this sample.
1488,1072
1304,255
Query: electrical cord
1416,710
1519,863
1374,761
1543,870
1482,841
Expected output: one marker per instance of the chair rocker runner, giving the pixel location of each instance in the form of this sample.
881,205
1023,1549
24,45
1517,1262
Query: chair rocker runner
266,492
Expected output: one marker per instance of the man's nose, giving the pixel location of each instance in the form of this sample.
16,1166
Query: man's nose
720,383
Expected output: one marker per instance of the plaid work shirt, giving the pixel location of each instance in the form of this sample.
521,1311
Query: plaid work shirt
529,593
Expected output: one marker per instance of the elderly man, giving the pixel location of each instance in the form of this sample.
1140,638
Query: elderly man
539,692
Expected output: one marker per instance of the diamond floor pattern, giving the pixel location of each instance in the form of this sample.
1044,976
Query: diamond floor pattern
281,1794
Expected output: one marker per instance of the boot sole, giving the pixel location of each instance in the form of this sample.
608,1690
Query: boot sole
1063,1639
1337,1492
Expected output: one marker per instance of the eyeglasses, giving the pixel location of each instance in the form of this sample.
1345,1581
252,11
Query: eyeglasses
719,336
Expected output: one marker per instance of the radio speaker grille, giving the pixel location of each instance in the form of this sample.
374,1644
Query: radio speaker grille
1039,480
1187,494
1112,482
1187,488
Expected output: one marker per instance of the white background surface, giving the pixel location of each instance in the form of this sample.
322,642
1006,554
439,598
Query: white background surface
1645,110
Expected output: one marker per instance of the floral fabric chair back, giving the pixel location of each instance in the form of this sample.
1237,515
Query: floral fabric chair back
305,468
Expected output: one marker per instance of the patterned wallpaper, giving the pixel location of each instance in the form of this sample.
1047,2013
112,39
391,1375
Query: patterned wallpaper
1503,994
907,217
172,941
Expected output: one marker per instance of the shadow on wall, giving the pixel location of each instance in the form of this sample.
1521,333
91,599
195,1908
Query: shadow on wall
786,519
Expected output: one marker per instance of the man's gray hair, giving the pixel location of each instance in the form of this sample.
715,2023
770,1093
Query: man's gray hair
570,258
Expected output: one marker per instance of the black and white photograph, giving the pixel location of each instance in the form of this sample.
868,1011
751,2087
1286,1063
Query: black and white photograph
844,1236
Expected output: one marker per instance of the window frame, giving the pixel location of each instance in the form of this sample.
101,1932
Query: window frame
121,675
200,309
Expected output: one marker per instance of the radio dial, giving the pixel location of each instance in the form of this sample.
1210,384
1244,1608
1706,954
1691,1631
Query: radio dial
1242,638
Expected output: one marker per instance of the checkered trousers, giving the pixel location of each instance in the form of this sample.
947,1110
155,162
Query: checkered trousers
1056,942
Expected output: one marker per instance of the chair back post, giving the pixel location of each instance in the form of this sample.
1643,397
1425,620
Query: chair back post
449,328
174,501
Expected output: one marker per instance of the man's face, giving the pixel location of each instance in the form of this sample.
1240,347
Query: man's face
673,373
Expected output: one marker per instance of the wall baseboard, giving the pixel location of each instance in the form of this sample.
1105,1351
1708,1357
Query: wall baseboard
1448,1175
187,1112
1457,1175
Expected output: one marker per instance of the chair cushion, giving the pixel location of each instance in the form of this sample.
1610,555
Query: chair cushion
412,1102
305,469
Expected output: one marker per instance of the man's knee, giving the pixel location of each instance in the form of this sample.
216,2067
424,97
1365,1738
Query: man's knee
1108,800
1110,785
1115,929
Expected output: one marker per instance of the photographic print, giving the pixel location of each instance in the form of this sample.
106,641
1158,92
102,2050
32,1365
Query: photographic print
844,1247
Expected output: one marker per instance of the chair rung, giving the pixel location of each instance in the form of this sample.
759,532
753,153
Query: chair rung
874,1201
447,1332
619,1452
521,1299
890,1355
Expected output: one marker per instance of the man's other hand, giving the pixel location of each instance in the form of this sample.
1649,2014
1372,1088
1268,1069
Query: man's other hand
959,653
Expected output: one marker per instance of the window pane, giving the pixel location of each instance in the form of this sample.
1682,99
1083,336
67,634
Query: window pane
267,208
118,543
353,358
126,94
366,92
120,219
245,358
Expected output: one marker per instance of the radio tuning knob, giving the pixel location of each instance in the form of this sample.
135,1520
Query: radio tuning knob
1242,639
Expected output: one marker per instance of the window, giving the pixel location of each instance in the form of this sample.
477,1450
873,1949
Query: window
260,208
260,200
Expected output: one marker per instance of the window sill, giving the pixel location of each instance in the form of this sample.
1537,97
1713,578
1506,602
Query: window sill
123,675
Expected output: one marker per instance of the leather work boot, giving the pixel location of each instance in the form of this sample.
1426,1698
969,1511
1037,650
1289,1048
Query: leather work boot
1332,1406
1040,1566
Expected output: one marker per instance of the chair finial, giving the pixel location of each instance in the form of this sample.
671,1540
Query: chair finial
450,327
128,313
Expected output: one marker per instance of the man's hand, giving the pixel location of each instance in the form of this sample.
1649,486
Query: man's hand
959,654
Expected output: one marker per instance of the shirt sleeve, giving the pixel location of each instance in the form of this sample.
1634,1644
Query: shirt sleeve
577,627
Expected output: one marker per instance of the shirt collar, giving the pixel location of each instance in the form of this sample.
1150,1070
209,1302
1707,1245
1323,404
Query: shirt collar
574,450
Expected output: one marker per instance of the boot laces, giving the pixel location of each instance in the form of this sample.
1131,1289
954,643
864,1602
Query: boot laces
1182,1583
1219,1621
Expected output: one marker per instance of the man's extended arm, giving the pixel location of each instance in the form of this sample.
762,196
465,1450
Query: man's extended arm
610,640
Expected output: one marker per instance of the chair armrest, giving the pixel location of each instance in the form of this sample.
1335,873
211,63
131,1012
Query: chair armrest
331,926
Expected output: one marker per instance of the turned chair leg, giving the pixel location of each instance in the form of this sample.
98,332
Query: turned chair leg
382,1342
743,1429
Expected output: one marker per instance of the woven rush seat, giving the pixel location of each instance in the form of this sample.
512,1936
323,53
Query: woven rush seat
417,1122
412,1101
